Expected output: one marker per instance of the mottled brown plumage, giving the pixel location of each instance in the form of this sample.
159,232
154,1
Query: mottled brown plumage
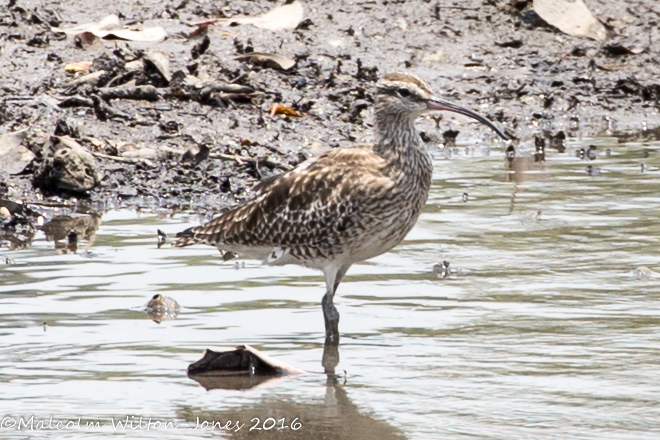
346,206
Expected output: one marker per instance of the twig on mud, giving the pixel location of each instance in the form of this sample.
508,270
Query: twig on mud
76,101
147,93
226,88
238,96
460,8
115,158
228,157
101,109
205,22
270,163
18,98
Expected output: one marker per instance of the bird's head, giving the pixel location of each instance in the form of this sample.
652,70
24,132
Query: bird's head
406,95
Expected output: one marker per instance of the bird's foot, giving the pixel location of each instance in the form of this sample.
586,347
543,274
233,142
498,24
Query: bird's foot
331,316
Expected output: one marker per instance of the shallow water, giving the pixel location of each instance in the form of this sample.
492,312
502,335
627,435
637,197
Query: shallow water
543,329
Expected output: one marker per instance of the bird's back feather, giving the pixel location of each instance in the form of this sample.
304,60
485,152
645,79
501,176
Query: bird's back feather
310,211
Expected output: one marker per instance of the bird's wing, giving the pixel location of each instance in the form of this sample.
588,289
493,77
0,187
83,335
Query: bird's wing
320,199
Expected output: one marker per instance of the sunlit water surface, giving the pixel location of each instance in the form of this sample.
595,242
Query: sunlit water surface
543,330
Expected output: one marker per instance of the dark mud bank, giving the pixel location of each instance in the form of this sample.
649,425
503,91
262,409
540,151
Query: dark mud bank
195,120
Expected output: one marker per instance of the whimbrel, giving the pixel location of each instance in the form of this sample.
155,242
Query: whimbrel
345,206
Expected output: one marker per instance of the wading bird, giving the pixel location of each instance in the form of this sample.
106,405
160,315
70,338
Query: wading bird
345,206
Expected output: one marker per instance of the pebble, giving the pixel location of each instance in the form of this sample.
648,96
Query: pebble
642,273
442,270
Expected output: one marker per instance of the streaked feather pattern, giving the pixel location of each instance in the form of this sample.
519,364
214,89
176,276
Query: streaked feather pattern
312,212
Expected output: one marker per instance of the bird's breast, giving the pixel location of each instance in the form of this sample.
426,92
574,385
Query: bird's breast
387,221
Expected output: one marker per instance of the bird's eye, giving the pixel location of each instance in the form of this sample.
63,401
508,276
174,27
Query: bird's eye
403,92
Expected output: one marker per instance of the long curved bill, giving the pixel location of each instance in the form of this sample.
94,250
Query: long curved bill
439,104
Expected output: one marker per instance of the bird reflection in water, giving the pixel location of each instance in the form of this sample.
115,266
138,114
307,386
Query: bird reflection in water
334,416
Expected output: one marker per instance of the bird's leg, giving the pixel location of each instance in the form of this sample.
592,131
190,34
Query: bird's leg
330,359
331,316
331,346
332,279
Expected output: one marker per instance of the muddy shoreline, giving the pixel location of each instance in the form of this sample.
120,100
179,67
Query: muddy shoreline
201,146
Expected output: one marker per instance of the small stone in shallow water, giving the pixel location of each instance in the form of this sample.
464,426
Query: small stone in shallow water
161,308
642,273
530,216
161,237
592,170
442,270
591,152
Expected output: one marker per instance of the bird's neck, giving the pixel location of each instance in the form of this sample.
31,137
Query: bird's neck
397,139
408,160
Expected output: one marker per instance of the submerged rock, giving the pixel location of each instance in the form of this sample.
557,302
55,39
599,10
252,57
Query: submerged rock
161,308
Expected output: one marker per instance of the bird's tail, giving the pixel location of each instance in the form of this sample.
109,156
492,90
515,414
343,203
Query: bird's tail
208,233
186,238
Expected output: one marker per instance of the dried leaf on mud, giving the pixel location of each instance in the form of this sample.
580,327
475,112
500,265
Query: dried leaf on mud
268,60
279,109
80,66
624,48
109,28
571,17
109,22
90,78
148,35
14,157
158,59
134,65
277,19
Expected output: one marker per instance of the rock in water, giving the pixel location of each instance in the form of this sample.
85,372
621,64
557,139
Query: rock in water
161,308
69,168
